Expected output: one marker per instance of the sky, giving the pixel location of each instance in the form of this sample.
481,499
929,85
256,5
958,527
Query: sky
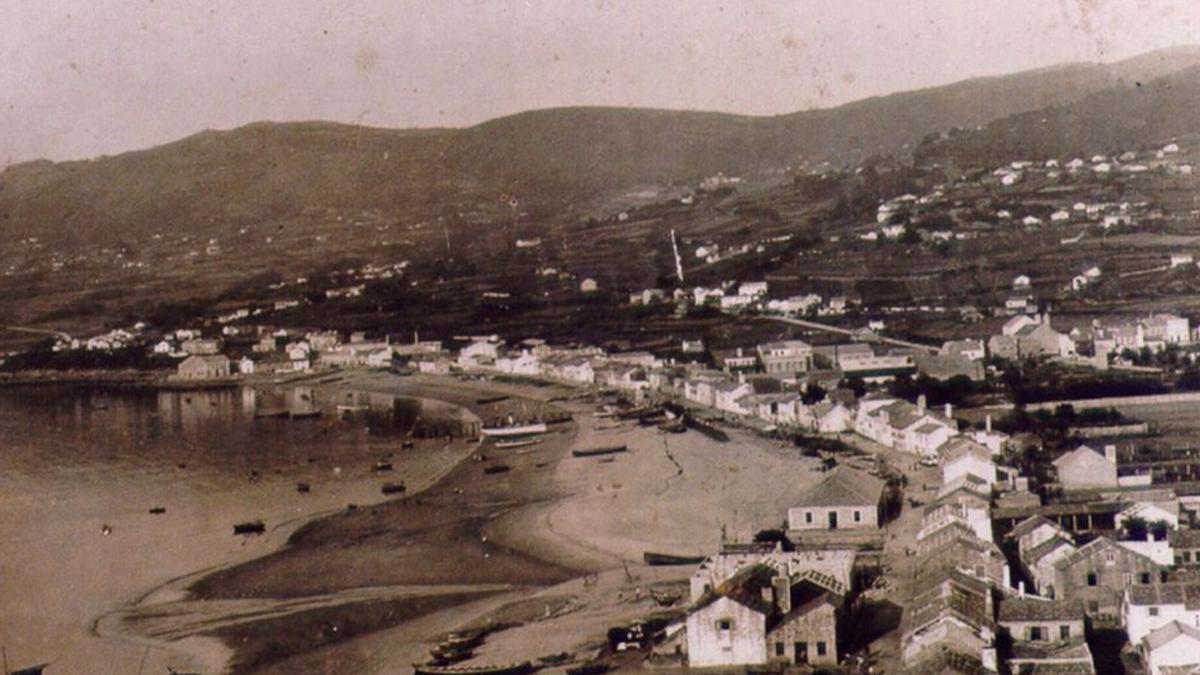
84,78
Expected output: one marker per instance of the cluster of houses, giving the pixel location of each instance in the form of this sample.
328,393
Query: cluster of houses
1001,581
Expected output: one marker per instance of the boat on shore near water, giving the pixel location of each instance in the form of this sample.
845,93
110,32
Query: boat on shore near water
250,527
282,412
659,559
594,668
514,430
504,669
392,488
304,414
518,442
675,426
596,452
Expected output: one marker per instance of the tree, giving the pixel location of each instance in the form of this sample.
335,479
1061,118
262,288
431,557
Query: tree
813,393
1160,529
1135,528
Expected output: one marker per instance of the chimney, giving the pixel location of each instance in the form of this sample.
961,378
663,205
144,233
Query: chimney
1110,453
987,423
949,411
783,593
1021,588
921,404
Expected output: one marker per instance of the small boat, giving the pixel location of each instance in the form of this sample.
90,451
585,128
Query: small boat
393,488
407,445
303,488
158,510
304,414
554,659
495,469
250,527
503,669
594,668
347,410
676,426
652,558
382,465
518,443
595,452
31,670
515,430
271,413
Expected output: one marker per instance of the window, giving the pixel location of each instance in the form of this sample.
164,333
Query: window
1162,576
725,624
820,649
1187,556
808,517
1064,632
778,649
1093,606
1091,579
1035,633
1110,558
858,516
1145,578
1153,611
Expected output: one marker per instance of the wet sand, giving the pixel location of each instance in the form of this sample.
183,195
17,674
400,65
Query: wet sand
61,577
539,529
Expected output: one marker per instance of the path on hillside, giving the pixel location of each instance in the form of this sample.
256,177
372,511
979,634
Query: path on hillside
849,333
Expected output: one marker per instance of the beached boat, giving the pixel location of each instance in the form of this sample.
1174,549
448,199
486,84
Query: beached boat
250,527
518,443
595,668
392,488
303,488
304,414
515,430
271,413
496,468
382,465
31,670
596,452
652,558
676,426
503,669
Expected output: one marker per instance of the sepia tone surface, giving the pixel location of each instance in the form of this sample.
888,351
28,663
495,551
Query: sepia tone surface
490,337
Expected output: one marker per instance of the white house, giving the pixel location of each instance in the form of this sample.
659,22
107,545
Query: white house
1173,648
753,288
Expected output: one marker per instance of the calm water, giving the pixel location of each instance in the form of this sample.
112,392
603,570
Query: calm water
73,433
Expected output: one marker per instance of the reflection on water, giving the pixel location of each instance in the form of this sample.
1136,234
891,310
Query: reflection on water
61,430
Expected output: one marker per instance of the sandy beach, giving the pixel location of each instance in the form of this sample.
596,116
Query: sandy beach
327,589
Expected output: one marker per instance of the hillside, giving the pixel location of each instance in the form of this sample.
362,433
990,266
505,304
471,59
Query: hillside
197,217
1128,116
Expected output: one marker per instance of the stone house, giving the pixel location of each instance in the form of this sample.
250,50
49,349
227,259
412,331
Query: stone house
1097,574
759,616
844,499
1034,619
949,614
204,367
1086,469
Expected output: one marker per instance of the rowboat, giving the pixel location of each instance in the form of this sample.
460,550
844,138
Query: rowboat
250,527
503,669
595,452
518,443
515,430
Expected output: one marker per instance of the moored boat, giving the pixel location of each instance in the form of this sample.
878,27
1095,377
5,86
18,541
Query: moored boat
250,527
515,430
595,452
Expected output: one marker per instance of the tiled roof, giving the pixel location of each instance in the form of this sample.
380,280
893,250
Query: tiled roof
1168,633
1030,524
1185,538
744,588
1186,594
1035,554
957,448
1093,547
949,592
1038,609
844,487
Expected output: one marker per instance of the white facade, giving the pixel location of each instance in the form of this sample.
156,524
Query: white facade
726,633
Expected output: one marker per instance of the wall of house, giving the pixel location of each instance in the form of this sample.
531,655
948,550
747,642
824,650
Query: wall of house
1071,582
818,625
1088,475
1141,620
868,517
745,642
1050,629
947,633
1178,652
